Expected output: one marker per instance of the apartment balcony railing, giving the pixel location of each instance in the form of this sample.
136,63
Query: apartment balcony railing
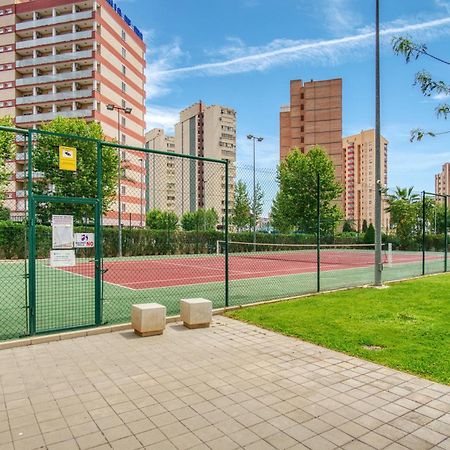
21,156
82,15
24,175
21,194
68,95
53,59
50,40
43,117
63,76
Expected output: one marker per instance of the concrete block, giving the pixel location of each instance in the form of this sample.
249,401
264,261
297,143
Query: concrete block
196,312
148,319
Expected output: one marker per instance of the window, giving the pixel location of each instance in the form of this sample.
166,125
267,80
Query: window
123,189
124,139
124,207
124,104
124,35
124,87
124,53
123,155
124,122
124,70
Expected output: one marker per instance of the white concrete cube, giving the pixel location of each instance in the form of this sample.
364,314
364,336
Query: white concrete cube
148,319
196,312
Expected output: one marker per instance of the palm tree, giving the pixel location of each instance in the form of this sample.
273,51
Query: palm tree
404,194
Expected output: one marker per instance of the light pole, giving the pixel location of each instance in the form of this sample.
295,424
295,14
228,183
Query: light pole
147,176
119,109
254,139
142,189
378,181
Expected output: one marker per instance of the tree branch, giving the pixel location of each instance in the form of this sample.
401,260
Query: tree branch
410,49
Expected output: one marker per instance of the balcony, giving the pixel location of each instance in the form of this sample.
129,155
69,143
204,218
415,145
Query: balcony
285,108
53,20
64,76
24,175
21,156
52,115
68,95
53,59
21,194
50,40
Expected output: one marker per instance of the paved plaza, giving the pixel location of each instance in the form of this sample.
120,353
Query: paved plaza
229,386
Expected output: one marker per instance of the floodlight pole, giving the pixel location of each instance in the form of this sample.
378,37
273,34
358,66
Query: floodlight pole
254,139
378,181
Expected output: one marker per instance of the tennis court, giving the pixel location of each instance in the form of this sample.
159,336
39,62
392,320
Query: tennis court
65,296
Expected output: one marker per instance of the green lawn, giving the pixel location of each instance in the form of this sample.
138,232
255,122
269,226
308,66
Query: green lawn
405,327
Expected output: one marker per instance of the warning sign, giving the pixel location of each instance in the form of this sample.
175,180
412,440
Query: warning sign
84,240
62,258
68,158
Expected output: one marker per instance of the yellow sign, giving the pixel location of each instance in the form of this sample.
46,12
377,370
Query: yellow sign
67,158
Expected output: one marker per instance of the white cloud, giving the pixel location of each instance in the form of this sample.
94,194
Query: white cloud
281,51
441,96
445,4
162,117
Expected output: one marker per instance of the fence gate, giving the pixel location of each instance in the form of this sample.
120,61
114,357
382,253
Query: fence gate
65,263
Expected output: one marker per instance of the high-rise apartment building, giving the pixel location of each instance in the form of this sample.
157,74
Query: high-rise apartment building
359,175
442,181
208,131
72,58
161,173
314,117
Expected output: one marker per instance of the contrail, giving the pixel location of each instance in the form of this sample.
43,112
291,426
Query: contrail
295,49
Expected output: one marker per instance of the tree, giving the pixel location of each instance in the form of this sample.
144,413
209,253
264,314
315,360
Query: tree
200,220
83,181
404,207
7,150
257,205
295,206
277,219
5,213
349,226
161,220
411,50
241,211
364,226
369,235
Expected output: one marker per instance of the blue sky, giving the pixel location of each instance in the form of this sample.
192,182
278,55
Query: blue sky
242,53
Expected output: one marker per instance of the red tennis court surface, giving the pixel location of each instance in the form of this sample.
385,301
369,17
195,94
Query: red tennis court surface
186,270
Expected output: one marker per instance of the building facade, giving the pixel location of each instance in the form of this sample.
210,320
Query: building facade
208,131
442,181
359,175
161,173
72,58
314,117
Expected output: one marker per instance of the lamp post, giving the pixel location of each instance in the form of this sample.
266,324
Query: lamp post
254,139
119,109
147,176
142,189
378,181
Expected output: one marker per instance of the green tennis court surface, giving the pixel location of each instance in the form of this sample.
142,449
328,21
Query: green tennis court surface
65,298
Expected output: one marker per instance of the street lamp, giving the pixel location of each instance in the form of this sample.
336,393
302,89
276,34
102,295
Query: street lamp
254,139
378,181
147,179
142,189
119,109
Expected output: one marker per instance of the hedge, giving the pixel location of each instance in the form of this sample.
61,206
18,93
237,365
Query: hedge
143,241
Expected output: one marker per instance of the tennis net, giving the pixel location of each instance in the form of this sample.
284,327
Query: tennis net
351,255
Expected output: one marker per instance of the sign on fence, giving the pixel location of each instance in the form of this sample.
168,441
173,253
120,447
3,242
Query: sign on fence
62,258
67,158
62,231
84,240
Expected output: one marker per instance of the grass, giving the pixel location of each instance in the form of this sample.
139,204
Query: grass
404,327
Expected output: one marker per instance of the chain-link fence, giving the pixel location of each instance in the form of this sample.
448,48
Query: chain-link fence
116,225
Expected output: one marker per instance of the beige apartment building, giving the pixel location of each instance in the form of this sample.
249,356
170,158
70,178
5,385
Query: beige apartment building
161,172
359,174
442,181
208,131
72,58
314,117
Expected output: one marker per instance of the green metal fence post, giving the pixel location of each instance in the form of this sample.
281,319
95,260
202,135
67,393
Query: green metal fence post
227,281
31,240
98,240
423,231
445,233
318,232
